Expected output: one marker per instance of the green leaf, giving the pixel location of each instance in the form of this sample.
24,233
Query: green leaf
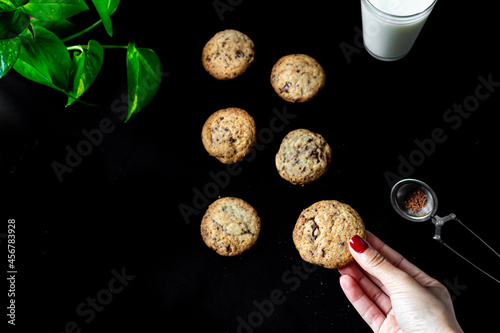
8,5
12,23
144,72
61,28
85,67
112,6
106,8
9,51
45,59
48,10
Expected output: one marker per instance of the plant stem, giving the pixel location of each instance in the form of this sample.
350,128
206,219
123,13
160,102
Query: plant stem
82,48
76,48
64,40
114,46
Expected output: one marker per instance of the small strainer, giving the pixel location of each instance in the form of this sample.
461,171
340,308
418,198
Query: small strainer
400,193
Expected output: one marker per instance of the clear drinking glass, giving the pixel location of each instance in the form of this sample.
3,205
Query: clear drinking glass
390,27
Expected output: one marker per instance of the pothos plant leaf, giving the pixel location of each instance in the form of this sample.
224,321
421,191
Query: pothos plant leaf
45,59
106,8
9,51
12,23
144,72
8,5
60,27
30,47
84,69
54,10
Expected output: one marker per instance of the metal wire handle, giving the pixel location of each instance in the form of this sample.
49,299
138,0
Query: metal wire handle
440,221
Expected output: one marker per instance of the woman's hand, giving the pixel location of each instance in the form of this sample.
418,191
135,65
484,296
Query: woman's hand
392,294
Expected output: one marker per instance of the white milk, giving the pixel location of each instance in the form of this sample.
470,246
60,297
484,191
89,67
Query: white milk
390,27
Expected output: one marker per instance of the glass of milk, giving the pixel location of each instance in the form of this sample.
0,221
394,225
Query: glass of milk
390,27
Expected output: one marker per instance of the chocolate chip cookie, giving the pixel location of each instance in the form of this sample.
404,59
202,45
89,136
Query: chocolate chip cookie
297,77
323,231
303,157
228,54
230,226
229,135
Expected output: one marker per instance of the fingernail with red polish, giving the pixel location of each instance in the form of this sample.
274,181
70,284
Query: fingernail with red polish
358,244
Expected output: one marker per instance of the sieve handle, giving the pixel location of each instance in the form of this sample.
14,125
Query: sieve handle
440,221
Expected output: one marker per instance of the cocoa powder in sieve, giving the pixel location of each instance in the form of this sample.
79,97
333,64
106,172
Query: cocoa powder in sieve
416,200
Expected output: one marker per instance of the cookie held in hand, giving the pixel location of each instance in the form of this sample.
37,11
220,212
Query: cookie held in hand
230,226
323,230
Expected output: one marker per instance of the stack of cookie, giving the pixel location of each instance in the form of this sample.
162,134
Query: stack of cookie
230,225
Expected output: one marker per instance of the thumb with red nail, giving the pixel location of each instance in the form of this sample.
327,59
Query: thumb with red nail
393,295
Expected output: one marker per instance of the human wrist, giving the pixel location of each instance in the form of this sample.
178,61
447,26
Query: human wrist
451,328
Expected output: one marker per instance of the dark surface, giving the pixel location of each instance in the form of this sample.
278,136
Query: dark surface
118,211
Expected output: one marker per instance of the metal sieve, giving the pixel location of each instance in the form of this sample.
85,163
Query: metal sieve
399,194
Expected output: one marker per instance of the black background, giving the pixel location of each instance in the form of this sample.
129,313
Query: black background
119,208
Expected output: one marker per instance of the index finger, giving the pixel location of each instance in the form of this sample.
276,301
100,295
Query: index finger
398,260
